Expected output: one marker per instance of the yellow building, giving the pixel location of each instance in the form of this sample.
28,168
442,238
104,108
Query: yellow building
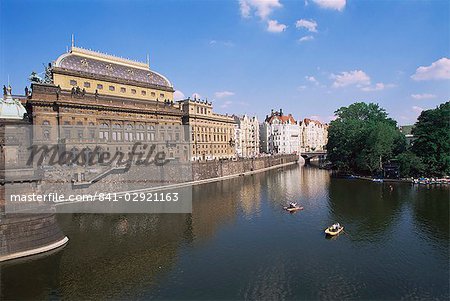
90,98
212,134
110,75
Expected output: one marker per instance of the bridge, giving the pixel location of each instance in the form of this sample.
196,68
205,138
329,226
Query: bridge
314,155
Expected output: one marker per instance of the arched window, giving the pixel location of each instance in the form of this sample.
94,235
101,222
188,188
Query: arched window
91,130
103,133
140,132
46,134
117,132
129,132
150,132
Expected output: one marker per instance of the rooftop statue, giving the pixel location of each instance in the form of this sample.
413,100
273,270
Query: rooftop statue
48,77
35,78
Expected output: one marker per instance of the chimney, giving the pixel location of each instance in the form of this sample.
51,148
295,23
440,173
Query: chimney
281,112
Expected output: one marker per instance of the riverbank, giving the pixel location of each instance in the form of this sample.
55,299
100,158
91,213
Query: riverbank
208,180
24,236
408,180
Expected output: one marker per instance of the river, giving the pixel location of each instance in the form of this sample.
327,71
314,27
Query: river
240,244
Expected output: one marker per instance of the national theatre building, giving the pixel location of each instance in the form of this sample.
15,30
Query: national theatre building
89,98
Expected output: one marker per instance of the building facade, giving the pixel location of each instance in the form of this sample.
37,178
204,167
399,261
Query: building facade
90,99
212,134
407,131
246,136
314,135
280,134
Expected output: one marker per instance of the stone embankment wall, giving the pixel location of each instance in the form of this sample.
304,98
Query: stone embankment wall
224,168
24,234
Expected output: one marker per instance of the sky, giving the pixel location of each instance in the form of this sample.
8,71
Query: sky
308,57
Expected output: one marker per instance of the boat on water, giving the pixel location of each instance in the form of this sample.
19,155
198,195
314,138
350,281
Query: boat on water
293,207
334,229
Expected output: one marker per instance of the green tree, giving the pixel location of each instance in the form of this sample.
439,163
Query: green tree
410,164
432,143
362,138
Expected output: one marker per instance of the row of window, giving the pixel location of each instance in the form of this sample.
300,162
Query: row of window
202,110
207,138
115,136
211,129
113,88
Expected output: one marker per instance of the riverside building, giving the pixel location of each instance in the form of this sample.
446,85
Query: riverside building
246,136
212,134
280,134
314,135
90,99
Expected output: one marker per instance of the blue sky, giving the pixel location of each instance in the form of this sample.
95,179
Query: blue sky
307,57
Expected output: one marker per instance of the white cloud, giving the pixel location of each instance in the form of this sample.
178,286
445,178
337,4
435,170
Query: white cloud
437,70
214,43
262,8
195,95
222,94
377,87
417,109
312,79
178,95
355,77
310,25
423,96
226,104
306,39
274,26
244,8
331,4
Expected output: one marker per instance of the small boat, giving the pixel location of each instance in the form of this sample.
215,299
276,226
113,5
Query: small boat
334,230
293,209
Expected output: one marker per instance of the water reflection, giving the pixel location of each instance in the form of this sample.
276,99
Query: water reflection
239,244
367,208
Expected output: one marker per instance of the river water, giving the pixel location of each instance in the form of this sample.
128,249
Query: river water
240,244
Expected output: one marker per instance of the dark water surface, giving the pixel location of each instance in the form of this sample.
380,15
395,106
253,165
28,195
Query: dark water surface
239,244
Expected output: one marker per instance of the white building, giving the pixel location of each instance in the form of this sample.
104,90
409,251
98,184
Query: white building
314,135
280,134
246,136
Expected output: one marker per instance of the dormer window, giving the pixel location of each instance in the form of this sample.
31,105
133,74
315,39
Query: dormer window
84,63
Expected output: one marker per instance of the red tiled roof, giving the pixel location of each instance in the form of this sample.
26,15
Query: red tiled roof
283,118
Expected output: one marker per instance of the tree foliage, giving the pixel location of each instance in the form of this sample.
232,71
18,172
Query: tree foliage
362,138
432,140
410,164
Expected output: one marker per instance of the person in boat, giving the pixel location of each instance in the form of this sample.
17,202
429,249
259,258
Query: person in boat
336,227
292,205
